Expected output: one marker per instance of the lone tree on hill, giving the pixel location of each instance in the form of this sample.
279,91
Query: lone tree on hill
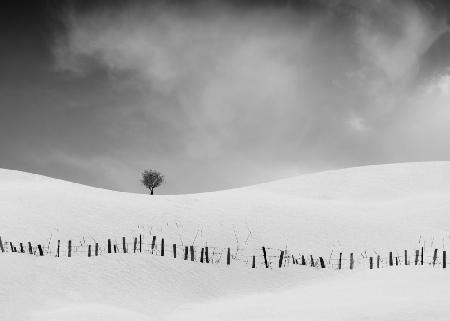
152,179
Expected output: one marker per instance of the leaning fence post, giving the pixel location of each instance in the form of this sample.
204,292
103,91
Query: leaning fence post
41,252
322,262
116,250
69,249
89,250
435,256
1,245
12,247
312,261
228,257
265,256
280,262
124,245
444,259
96,249
351,261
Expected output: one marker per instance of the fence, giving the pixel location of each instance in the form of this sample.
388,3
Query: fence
266,257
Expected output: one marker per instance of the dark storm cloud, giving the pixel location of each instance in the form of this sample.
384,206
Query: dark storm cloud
220,94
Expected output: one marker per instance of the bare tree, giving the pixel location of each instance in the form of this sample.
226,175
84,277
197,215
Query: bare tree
152,179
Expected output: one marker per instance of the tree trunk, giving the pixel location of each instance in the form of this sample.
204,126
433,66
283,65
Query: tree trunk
151,191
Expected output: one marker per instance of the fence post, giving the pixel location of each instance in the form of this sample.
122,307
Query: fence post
421,257
1,245
265,257
140,243
228,257
153,243
312,261
303,260
69,248
57,249
12,247
396,260
280,262
41,251
351,261
444,259
391,261
340,261
416,260
201,255
206,254
124,244
192,253
135,245
96,249
371,262
21,248
254,262
186,253
162,247
435,256
116,250
30,248
89,250
109,245
322,262
378,261
174,249
406,257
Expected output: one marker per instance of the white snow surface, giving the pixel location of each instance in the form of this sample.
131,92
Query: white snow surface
372,208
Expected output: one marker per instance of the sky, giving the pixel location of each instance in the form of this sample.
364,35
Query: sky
220,94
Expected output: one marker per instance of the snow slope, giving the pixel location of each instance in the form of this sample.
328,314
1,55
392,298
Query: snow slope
383,208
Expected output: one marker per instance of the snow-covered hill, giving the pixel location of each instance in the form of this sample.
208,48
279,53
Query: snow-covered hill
383,208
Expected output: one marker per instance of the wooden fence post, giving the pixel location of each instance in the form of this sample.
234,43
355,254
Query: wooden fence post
21,248
135,245
89,250
280,262
421,257
140,243
109,245
254,262
322,262
201,255
303,260
30,248
186,252
57,249
435,256
12,247
96,249
444,259
228,257
192,253
351,261
124,245
174,249
396,260
265,257
69,248
312,261
391,261
371,262
162,247
1,245
41,251
340,261
206,254
153,242
406,257
416,260
378,261
116,250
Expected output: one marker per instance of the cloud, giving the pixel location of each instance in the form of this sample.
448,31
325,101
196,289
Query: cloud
273,89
